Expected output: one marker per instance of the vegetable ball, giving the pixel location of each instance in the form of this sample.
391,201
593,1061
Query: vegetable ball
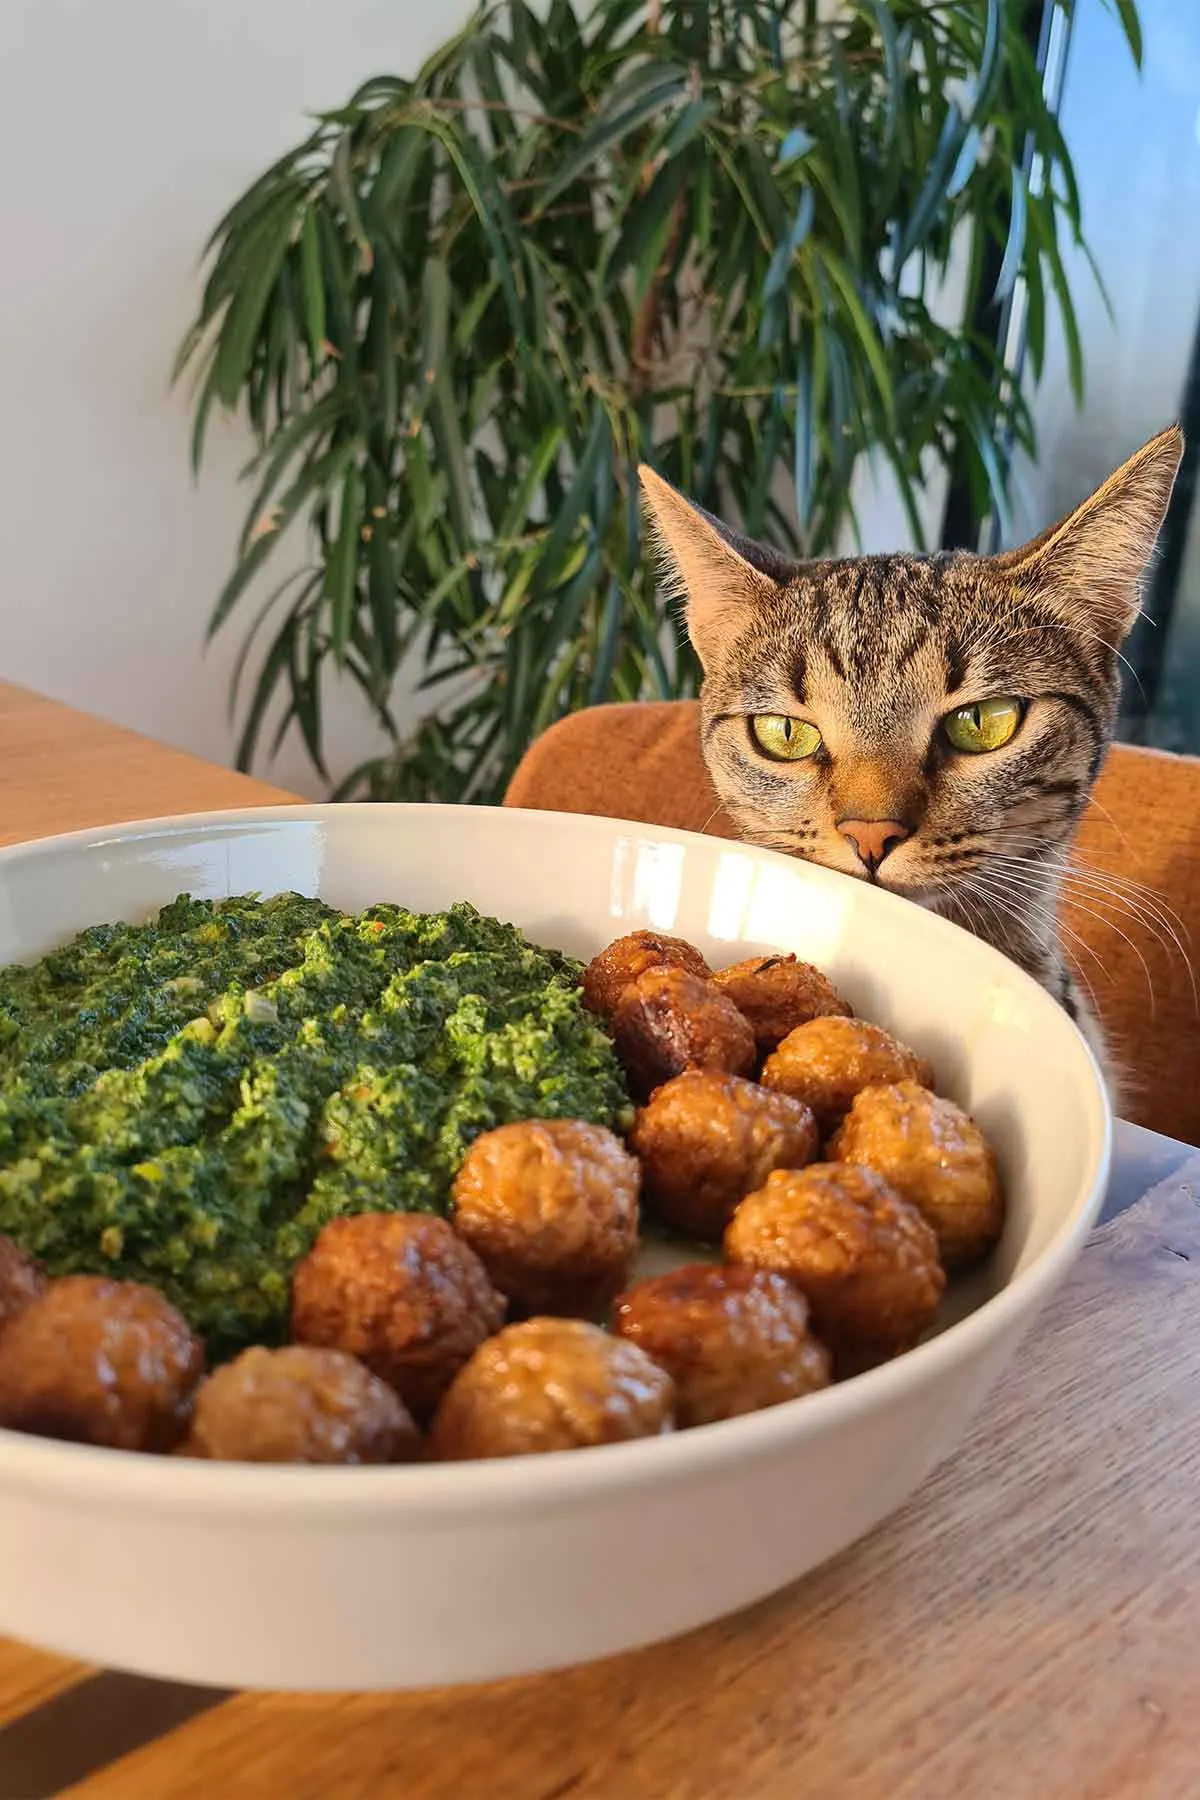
828,1061
732,1339
609,974
99,1362
21,1281
550,1207
777,993
706,1138
669,1020
551,1384
864,1259
402,1293
934,1156
299,1405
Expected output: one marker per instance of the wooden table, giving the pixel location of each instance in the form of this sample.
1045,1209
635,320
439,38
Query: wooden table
1024,1630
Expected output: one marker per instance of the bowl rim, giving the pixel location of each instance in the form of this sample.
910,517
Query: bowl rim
276,1493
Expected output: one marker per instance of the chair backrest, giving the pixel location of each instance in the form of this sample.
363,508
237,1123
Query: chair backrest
1130,922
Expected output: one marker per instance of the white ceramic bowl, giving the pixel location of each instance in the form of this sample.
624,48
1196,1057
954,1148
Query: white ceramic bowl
399,1577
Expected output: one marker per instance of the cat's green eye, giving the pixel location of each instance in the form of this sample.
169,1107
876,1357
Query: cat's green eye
784,739
987,725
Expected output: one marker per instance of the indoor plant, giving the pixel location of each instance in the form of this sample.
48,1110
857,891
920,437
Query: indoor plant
711,234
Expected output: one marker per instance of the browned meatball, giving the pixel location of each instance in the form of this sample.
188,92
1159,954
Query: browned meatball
299,1405
777,993
402,1293
551,1384
706,1138
21,1281
829,1060
732,1339
99,1362
865,1259
936,1157
550,1207
670,1020
609,974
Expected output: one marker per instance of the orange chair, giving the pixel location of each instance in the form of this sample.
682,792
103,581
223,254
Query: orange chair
1130,925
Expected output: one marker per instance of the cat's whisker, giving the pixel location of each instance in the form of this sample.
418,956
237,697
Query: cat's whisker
1141,892
1106,815
1036,898
1000,910
1166,939
1138,891
1142,906
1097,637
1032,931
973,907
1101,919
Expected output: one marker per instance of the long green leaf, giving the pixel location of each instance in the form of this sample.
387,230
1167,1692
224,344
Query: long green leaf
982,438
447,436
341,308
315,478
1014,249
646,227
607,645
689,125
399,167
282,178
236,345
804,460
287,443
386,551
342,185
964,166
314,289
311,579
1070,324
435,321
893,63
991,57
527,489
610,130
380,357
343,564
493,214
1131,25
864,330
597,445
271,672
204,404
925,209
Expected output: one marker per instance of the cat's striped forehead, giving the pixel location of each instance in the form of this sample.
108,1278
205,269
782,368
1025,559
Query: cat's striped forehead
888,634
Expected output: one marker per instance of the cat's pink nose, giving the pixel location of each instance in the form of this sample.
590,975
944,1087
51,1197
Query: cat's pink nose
873,838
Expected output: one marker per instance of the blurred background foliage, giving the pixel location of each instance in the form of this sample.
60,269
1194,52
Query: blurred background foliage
715,235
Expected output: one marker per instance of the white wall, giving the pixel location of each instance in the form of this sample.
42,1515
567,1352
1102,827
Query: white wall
126,127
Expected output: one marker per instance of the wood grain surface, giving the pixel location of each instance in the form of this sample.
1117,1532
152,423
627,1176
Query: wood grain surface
61,770
1025,1630
28,1678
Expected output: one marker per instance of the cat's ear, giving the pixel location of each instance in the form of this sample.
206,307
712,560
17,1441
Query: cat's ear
719,575
1091,563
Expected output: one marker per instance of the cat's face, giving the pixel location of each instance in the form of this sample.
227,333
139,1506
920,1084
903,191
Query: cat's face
916,720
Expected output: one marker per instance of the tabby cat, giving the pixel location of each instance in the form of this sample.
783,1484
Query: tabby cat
931,723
